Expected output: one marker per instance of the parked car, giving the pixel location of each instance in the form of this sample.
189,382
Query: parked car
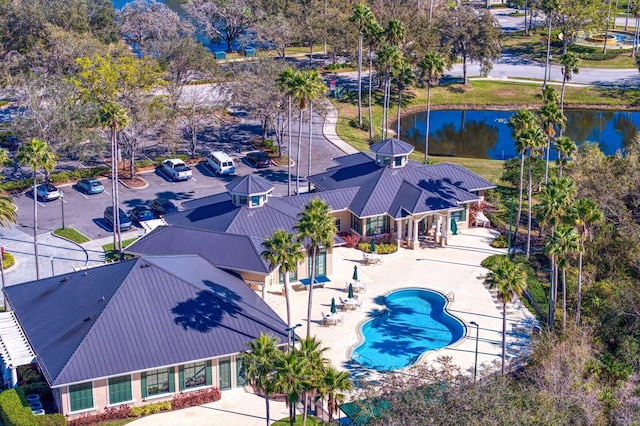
125,222
176,169
161,207
221,163
141,214
47,192
258,159
90,186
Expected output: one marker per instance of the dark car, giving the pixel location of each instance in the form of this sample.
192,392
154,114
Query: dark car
258,159
90,186
161,207
47,192
141,214
125,222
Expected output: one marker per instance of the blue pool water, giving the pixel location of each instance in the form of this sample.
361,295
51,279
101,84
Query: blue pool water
414,322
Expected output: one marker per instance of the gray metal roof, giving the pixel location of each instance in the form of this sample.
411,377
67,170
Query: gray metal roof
136,315
385,190
459,176
224,250
249,184
391,147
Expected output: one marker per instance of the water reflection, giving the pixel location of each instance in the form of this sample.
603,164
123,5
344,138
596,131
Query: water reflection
486,134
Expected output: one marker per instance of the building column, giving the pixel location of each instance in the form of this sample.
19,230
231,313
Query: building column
445,230
14,376
436,228
398,225
415,243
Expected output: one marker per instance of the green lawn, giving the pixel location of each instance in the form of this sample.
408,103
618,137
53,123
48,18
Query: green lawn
311,421
110,254
71,234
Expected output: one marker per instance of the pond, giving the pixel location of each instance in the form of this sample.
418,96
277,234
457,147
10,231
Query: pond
486,134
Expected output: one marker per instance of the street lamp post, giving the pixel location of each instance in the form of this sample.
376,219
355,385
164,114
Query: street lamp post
52,270
6,305
475,365
62,204
510,223
291,332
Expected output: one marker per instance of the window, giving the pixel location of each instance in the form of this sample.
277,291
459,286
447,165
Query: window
459,216
378,225
241,374
224,373
398,161
81,396
120,389
321,264
195,375
293,276
338,223
255,200
157,382
356,224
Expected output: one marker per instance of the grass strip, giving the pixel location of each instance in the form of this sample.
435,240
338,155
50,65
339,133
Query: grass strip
111,255
71,234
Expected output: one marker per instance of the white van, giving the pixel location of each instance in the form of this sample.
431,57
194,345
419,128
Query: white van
221,163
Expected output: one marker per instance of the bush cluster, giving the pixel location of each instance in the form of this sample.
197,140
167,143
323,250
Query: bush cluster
149,409
381,248
61,177
32,381
500,242
190,399
14,412
331,67
354,123
351,240
109,414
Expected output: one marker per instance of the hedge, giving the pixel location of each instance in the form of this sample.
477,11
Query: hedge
381,248
60,177
14,413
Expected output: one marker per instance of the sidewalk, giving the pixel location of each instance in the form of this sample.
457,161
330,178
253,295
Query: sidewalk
329,131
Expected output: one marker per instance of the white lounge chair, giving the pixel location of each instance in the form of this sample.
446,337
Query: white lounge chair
482,220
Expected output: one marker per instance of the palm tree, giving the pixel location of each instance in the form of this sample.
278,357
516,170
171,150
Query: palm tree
315,87
566,243
570,65
533,141
284,251
432,67
333,385
316,228
403,76
311,351
299,94
260,360
362,17
292,372
285,82
566,150
549,95
519,122
510,280
394,33
389,58
373,35
114,117
36,154
550,117
586,214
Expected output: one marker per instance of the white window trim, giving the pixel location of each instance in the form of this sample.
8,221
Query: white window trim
117,404
158,396
86,410
187,390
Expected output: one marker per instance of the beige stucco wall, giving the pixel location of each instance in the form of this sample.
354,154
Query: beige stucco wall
345,220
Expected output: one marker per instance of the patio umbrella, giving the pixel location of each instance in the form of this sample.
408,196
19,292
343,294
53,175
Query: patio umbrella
454,227
373,245
333,305
350,293
355,273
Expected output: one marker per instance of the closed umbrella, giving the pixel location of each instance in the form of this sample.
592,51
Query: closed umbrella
333,305
454,227
373,245
355,273
350,293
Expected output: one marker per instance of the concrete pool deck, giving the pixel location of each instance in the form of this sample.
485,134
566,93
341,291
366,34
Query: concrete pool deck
454,268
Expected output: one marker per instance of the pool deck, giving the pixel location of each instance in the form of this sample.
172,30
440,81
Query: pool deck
453,268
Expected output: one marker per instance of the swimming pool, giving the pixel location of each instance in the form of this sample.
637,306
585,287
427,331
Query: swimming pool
414,322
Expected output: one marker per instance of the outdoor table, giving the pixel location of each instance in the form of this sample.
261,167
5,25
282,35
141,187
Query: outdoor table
351,303
331,319
358,286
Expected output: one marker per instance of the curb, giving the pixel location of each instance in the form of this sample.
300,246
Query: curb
86,255
146,184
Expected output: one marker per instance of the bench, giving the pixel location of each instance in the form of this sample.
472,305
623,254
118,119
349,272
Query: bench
371,258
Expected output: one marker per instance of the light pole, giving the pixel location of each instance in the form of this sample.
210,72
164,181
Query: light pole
475,365
510,222
52,271
6,305
291,332
62,204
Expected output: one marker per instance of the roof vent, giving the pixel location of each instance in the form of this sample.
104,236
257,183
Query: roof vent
102,299
90,318
65,279
85,273
145,265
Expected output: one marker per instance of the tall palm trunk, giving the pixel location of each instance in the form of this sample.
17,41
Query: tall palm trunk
520,187
579,296
635,37
266,401
360,79
564,297
546,162
289,146
35,223
529,207
626,19
114,174
116,210
312,277
370,94
551,315
298,152
398,114
547,70
504,333
426,137
310,141
287,300
564,83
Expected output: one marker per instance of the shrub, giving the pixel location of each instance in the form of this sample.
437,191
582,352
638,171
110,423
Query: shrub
55,419
8,260
13,412
190,399
109,414
500,242
354,123
381,248
351,240
493,261
149,409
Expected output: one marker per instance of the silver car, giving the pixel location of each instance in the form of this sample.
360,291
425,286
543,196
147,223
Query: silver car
47,192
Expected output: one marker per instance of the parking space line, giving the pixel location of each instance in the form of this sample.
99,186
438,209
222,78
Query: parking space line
40,204
85,196
194,179
106,192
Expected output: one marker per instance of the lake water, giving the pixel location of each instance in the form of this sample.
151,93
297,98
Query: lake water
486,134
